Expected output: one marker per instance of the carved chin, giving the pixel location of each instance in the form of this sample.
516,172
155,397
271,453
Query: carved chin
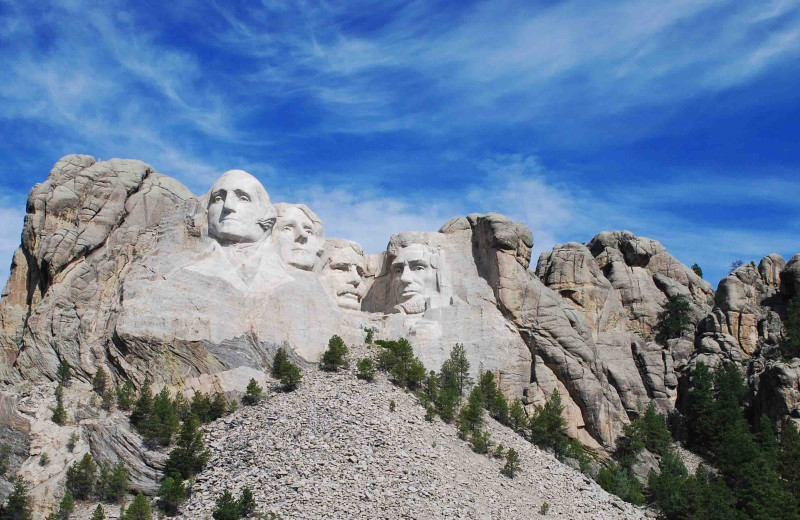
415,305
349,301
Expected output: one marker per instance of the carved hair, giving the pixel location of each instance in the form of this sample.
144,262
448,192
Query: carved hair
334,244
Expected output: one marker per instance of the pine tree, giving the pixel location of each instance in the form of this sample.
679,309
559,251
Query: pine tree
99,513
789,465
471,416
335,356
674,319
246,502
99,381
518,419
697,270
163,421
457,366
114,481
495,402
172,493
5,458
416,374
108,399
700,409
143,408
668,487
449,398
189,456
125,396
292,376
66,507
512,463
60,413
366,369
548,428
138,510
226,507
63,373
790,343
253,394
201,407
281,360
218,407
17,506
82,477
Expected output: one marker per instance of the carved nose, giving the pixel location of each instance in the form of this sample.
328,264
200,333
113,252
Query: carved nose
353,279
405,277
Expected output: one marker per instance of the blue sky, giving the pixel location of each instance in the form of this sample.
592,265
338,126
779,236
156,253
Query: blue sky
676,120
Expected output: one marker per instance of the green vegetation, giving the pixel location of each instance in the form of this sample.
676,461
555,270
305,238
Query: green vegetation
73,440
494,400
99,381
5,458
392,406
63,373
66,507
648,431
470,418
617,480
189,456
674,319
108,399
480,441
60,413
44,459
790,344
335,356
125,396
99,513
370,334
697,270
518,419
81,478
366,369
287,372
736,264
253,394
544,508
171,493
138,510
279,362
114,482
17,504
397,358
228,508
457,366
548,428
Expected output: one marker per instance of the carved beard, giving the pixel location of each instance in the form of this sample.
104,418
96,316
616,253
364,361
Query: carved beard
413,306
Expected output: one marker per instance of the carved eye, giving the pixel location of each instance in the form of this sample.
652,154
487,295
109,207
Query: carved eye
418,268
244,198
218,199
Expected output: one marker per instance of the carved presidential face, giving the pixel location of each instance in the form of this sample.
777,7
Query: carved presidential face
342,275
298,243
413,278
237,208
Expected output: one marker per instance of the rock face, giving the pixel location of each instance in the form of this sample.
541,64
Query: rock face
123,268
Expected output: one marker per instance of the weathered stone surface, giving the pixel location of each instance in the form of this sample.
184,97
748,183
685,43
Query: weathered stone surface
790,277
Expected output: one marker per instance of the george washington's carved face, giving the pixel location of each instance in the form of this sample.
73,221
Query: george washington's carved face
413,278
239,209
342,274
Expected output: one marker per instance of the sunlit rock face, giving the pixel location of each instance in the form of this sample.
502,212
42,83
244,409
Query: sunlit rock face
299,236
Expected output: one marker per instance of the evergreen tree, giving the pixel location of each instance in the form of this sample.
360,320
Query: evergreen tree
471,416
60,413
790,343
335,357
218,407
226,507
366,369
668,487
512,463
495,402
182,406
674,319
99,513
108,399
615,479
125,396
789,460
189,456
114,481
253,394
449,398
700,408
431,387
66,507
697,270
201,406
457,366
281,360
99,381
518,419
654,430
82,477
246,502
709,498
292,376
162,423
143,408
416,374
480,441
548,428
138,510
63,373
17,506
5,458
172,493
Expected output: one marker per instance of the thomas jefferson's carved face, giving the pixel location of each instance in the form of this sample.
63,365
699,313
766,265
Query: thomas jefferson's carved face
235,210
297,243
343,275
413,278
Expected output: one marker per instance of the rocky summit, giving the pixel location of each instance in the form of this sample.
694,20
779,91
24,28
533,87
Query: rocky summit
123,271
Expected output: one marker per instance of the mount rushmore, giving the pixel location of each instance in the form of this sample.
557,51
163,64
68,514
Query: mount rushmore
124,268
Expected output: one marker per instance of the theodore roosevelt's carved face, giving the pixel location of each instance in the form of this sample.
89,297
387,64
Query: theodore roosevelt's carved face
239,209
342,274
413,278
299,239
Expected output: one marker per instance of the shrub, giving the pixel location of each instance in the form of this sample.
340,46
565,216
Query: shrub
392,406
457,366
253,394
280,361
114,481
125,396
108,399
480,441
17,505
138,510
697,270
366,369
397,358
218,408
171,494
674,319
246,502
667,488
736,264
370,334
44,459
430,413
616,480
335,357
5,458
548,428
63,372
292,376
99,513
99,381
226,507
82,477
544,508
189,456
